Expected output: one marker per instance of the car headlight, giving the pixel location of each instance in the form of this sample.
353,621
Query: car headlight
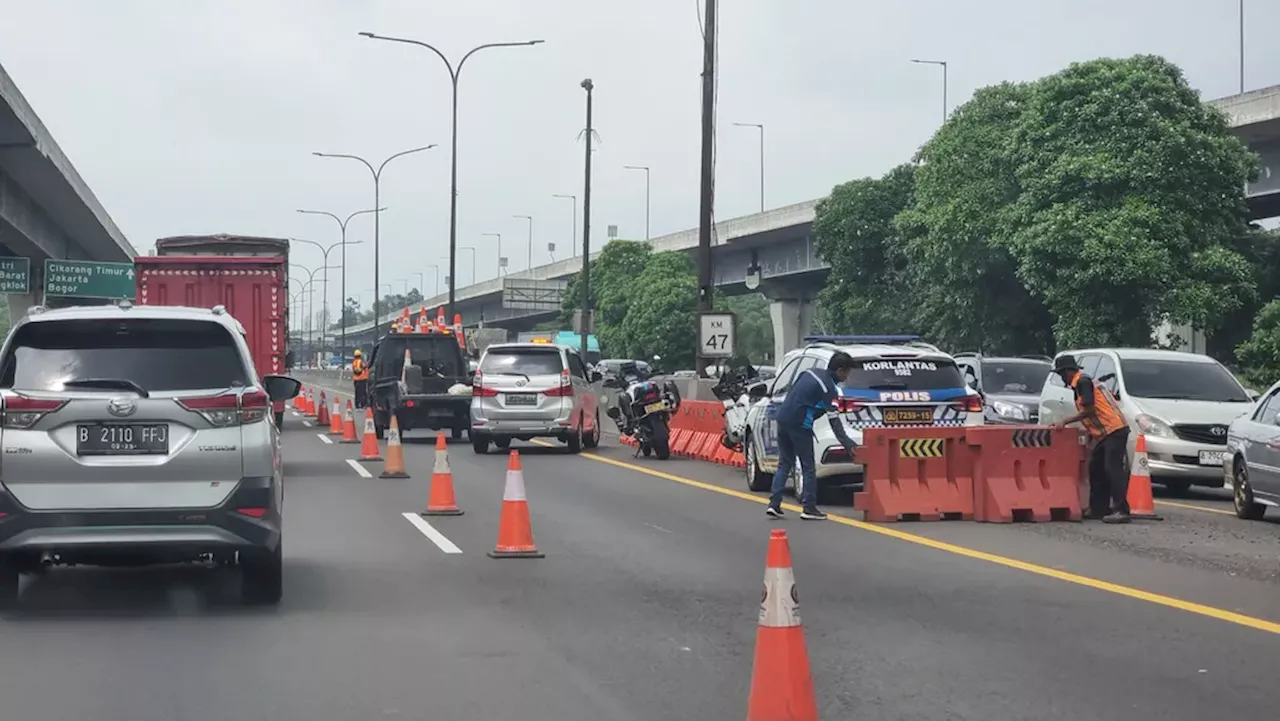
1009,410
1152,426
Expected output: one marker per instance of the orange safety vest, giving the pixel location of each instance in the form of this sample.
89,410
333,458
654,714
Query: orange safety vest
359,371
1107,418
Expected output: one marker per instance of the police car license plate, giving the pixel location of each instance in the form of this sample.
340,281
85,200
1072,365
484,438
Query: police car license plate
655,407
908,416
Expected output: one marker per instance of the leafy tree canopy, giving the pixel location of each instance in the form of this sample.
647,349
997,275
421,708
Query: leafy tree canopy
661,317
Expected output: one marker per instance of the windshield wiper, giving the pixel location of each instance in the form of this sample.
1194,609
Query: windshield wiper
525,377
109,384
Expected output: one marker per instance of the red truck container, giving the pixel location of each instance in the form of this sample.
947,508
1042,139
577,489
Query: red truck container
247,275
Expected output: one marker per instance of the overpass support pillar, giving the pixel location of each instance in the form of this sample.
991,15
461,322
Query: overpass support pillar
792,321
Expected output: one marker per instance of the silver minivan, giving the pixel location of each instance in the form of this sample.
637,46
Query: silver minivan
534,390
1181,402
138,435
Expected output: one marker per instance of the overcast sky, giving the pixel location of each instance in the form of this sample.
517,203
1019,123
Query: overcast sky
201,116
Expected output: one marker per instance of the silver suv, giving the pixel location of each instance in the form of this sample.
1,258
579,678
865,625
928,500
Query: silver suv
532,390
134,436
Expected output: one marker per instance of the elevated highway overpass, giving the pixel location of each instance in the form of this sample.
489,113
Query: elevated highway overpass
46,209
779,244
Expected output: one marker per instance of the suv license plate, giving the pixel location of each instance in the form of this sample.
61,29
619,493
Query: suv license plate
522,399
908,416
134,439
1211,458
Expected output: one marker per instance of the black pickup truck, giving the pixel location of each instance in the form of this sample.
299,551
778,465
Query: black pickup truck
419,393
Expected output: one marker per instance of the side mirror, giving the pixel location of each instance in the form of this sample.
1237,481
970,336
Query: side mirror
756,391
281,388
596,376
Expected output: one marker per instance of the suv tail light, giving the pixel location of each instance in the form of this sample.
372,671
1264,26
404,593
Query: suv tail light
21,412
971,404
564,390
478,390
848,405
230,409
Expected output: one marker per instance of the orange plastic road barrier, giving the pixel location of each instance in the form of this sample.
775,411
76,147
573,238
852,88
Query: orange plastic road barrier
515,532
781,683
349,426
1025,473
441,501
322,411
335,418
1141,503
915,474
395,453
369,444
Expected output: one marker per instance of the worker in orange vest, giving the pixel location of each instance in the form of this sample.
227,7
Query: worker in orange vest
1100,414
360,379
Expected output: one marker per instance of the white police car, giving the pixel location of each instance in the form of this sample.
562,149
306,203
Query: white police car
896,381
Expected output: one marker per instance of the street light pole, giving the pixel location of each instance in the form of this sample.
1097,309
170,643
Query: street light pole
573,239
760,127
342,223
1242,47
453,152
530,219
585,324
645,168
943,64
324,293
499,237
377,245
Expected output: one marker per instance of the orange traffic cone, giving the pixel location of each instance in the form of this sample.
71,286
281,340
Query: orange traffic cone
1141,504
310,412
395,453
335,418
349,426
297,400
515,532
441,501
322,412
781,684
369,444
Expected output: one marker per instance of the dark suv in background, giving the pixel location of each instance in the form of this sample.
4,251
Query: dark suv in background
1010,385
418,393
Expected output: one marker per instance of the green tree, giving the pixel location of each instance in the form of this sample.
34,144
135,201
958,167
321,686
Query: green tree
1131,202
660,316
866,289
614,274
1260,354
1261,248
755,326
967,294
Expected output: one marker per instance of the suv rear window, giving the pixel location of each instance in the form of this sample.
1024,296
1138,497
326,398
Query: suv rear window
904,374
440,352
1015,376
525,361
158,355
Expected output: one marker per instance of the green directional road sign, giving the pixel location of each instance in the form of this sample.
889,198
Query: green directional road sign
88,279
15,275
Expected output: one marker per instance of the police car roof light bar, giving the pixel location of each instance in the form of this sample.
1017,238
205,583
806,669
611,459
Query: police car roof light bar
877,339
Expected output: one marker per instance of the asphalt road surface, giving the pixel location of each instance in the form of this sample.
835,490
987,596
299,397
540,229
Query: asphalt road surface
645,608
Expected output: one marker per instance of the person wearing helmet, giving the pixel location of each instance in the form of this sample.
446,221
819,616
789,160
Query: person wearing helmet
360,379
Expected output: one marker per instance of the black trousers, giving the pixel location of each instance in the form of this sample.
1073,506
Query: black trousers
362,393
1109,474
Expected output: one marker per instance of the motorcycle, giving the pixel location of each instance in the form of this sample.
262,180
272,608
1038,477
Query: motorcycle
731,390
642,408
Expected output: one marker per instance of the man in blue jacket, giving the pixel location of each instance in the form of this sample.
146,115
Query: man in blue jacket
812,394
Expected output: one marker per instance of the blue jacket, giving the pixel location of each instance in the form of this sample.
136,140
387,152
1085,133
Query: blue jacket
812,394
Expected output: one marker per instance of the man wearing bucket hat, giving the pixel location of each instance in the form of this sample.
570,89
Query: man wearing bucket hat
1098,411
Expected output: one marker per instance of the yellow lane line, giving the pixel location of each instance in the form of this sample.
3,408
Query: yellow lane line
1094,583
1193,507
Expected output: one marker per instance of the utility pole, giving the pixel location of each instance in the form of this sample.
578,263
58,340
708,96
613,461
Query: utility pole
1242,47
706,214
585,326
